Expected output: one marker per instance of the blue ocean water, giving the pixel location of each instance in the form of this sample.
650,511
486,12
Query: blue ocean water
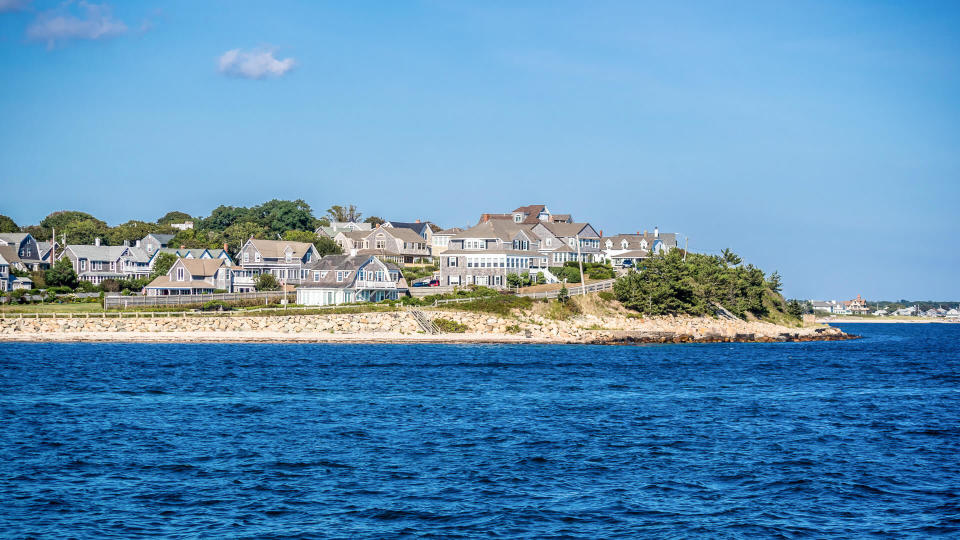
837,439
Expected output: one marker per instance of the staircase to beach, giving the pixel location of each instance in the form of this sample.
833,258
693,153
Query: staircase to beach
426,323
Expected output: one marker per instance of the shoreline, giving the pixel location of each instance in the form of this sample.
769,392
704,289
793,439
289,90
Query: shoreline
885,321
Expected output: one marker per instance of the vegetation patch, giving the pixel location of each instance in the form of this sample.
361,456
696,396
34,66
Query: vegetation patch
450,327
672,284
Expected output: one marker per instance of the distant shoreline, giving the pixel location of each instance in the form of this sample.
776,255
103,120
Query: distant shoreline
886,321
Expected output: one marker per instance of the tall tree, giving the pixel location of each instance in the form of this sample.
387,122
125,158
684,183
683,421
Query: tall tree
61,274
8,225
237,234
132,231
325,246
375,221
341,213
279,216
174,217
225,216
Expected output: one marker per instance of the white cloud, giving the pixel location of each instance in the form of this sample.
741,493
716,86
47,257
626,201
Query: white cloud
95,22
254,64
13,5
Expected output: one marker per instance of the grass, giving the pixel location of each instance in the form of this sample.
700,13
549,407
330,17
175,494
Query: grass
449,326
82,307
498,305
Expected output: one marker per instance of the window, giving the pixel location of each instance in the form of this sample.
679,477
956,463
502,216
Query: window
256,256
316,276
339,275
83,265
381,244
180,274
474,244
452,261
623,244
517,218
288,256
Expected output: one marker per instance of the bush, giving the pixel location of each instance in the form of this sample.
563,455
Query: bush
215,305
449,327
61,274
563,296
266,282
110,285
606,296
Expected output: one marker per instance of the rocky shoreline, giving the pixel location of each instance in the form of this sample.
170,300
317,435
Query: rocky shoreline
402,327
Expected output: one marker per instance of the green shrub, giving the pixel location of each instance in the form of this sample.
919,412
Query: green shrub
215,305
449,327
513,329
606,296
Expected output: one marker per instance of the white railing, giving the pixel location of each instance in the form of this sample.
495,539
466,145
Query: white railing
184,299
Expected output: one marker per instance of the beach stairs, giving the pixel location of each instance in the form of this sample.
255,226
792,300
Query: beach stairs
550,277
426,323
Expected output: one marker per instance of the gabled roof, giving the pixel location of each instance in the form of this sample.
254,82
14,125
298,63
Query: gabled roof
276,249
10,254
416,227
202,267
564,229
13,237
97,253
331,264
448,232
482,230
400,233
3,260
162,238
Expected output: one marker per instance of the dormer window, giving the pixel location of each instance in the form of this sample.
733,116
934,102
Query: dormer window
624,244
517,218
180,274
288,256
256,256
609,244
643,244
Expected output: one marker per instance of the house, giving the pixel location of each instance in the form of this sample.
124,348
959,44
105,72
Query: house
19,283
630,249
6,278
345,279
529,215
98,262
192,276
441,239
47,251
953,313
579,239
486,253
421,228
346,226
285,260
395,244
155,241
194,253
819,305
857,306
24,254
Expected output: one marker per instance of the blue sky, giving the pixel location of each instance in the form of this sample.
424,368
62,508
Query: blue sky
819,139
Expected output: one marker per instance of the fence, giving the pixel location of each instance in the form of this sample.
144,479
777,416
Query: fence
187,299
574,291
174,314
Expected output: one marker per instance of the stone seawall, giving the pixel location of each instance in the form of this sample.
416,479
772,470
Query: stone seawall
400,326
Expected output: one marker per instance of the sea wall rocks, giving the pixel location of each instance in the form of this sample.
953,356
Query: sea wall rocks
358,323
522,327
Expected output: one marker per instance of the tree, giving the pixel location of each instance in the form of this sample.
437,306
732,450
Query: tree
174,217
775,282
340,213
61,274
266,282
731,258
8,225
278,216
513,280
375,221
84,231
325,246
795,309
132,231
110,285
61,219
197,238
564,295
237,234
162,264
225,216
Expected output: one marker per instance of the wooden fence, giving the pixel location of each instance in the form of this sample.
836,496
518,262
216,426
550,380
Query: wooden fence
264,297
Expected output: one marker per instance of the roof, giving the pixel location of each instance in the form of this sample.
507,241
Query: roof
564,229
276,249
416,227
162,238
632,254
481,230
400,233
448,232
9,254
3,260
164,282
109,253
202,267
13,237
633,240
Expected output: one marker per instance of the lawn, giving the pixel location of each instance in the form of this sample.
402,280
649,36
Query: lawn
52,308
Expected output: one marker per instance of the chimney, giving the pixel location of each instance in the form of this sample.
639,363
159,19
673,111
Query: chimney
656,232
644,232
96,241
182,246
601,233
225,246
418,220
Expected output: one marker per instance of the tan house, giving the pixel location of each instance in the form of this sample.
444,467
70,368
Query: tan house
192,276
285,260
395,244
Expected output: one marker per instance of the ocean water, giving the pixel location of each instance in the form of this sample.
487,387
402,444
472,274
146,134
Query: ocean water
839,439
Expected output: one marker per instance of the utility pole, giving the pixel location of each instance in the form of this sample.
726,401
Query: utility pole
583,284
686,246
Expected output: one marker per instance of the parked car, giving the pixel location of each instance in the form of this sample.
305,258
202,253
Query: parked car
434,282
421,283
627,263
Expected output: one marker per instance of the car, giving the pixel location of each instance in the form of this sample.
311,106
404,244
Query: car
434,283
627,263
421,284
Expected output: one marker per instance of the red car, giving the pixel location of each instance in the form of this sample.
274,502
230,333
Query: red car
434,283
